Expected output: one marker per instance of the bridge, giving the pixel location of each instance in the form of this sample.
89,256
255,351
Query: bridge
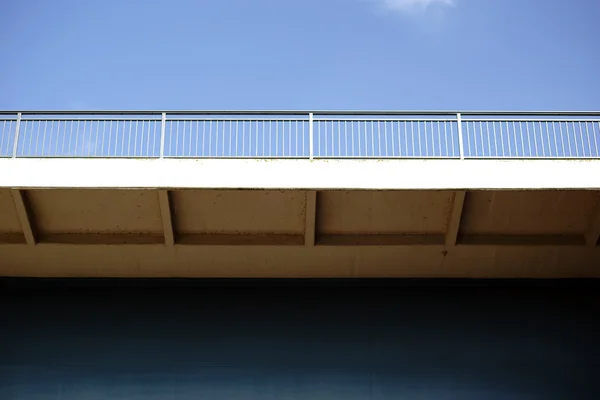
299,194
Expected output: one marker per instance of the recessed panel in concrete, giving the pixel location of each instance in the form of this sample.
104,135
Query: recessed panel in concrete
238,211
9,221
380,212
528,212
96,211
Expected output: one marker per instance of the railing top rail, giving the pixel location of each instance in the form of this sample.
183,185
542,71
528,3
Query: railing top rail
302,112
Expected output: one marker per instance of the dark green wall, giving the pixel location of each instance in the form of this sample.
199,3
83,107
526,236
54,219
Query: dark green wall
299,340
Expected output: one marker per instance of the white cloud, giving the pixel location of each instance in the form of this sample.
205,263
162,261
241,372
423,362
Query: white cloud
409,6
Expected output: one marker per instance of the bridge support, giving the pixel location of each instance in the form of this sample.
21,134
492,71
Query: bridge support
456,209
166,216
310,218
593,234
24,215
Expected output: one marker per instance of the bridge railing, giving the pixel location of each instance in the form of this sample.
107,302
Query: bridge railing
300,134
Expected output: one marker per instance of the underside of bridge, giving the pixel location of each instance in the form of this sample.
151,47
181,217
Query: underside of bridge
299,233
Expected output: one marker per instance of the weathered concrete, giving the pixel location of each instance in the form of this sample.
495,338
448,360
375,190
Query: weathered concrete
229,233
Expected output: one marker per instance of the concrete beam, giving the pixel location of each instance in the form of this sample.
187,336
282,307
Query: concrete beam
456,209
240,239
310,218
522,240
101,239
593,233
167,217
25,216
386,239
25,173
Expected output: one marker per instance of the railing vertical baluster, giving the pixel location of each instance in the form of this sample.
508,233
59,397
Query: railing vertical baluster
17,129
310,135
460,136
163,126
515,136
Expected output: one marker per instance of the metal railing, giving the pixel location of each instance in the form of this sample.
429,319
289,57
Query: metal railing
300,134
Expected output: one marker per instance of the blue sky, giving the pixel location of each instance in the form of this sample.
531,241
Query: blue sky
309,54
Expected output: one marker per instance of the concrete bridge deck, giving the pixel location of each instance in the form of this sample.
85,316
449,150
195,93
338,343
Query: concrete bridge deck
299,194
299,218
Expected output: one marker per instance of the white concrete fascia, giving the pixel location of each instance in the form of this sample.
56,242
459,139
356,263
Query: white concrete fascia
299,174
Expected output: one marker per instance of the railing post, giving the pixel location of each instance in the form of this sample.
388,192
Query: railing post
17,130
163,126
460,136
310,135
